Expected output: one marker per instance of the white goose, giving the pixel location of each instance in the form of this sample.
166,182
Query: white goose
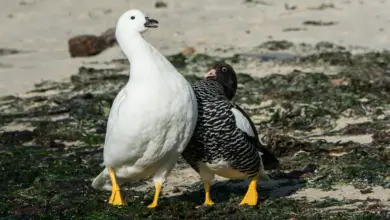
152,118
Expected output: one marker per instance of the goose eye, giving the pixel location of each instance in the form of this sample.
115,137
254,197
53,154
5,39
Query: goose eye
224,69
132,17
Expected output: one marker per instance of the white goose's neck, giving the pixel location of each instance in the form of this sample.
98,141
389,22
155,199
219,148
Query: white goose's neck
141,55
131,43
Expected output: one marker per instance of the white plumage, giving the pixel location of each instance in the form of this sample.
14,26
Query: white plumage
152,118
242,122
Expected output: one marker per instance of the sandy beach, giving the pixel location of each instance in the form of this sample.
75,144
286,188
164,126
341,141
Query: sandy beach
40,29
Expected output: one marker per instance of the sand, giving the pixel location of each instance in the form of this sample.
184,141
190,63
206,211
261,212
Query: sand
41,28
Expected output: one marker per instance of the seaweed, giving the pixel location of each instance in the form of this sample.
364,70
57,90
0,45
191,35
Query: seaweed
50,143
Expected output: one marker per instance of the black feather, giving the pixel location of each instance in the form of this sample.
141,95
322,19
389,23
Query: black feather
217,137
269,159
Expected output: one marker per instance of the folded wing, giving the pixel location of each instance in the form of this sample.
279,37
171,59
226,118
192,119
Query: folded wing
245,124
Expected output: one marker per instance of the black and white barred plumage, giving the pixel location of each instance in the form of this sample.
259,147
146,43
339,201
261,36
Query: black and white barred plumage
225,141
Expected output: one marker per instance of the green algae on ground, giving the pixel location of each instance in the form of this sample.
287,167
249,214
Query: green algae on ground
311,100
47,169
276,45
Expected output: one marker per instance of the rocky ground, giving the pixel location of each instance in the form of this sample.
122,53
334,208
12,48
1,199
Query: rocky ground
324,113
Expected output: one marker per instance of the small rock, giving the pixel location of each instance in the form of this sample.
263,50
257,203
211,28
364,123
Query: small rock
366,190
18,137
160,4
381,117
86,45
107,11
341,82
188,51
290,7
258,119
176,189
8,51
276,45
319,23
294,29
267,104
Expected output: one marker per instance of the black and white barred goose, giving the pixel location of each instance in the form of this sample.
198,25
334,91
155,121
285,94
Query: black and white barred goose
225,141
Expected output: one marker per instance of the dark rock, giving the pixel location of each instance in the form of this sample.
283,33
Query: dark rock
160,4
89,45
320,23
294,29
7,51
86,45
366,190
176,189
290,7
276,45
16,137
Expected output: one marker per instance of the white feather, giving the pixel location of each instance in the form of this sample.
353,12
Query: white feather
152,118
263,174
242,122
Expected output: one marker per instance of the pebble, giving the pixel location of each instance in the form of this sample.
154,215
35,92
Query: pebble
381,117
160,4
266,104
176,189
188,51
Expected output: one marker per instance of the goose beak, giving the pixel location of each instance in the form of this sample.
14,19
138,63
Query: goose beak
151,23
211,74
